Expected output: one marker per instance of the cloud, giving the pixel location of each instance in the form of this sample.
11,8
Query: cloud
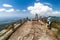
7,5
56,13
2,9
17,10
10,10
24,10
37,0
39,8
49,4
5,10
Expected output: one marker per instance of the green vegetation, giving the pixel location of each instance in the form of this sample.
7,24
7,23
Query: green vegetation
8,27
56,24
58,33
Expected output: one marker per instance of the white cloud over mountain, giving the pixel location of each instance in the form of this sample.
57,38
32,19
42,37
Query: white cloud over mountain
56,13
39,8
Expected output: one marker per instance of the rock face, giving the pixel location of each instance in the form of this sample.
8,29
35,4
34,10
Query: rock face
33,30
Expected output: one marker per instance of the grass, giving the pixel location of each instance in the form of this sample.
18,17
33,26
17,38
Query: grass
58,33
56,25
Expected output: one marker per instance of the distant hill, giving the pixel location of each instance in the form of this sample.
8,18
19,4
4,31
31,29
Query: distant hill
57,19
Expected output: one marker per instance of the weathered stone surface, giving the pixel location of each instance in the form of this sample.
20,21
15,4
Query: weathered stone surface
33,30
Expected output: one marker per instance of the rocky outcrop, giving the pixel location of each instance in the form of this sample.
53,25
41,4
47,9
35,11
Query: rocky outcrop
33,30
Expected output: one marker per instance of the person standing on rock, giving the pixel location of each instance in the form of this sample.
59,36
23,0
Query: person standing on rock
49,22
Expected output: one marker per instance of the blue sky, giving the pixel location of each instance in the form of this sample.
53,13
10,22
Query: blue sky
23,4
20,7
